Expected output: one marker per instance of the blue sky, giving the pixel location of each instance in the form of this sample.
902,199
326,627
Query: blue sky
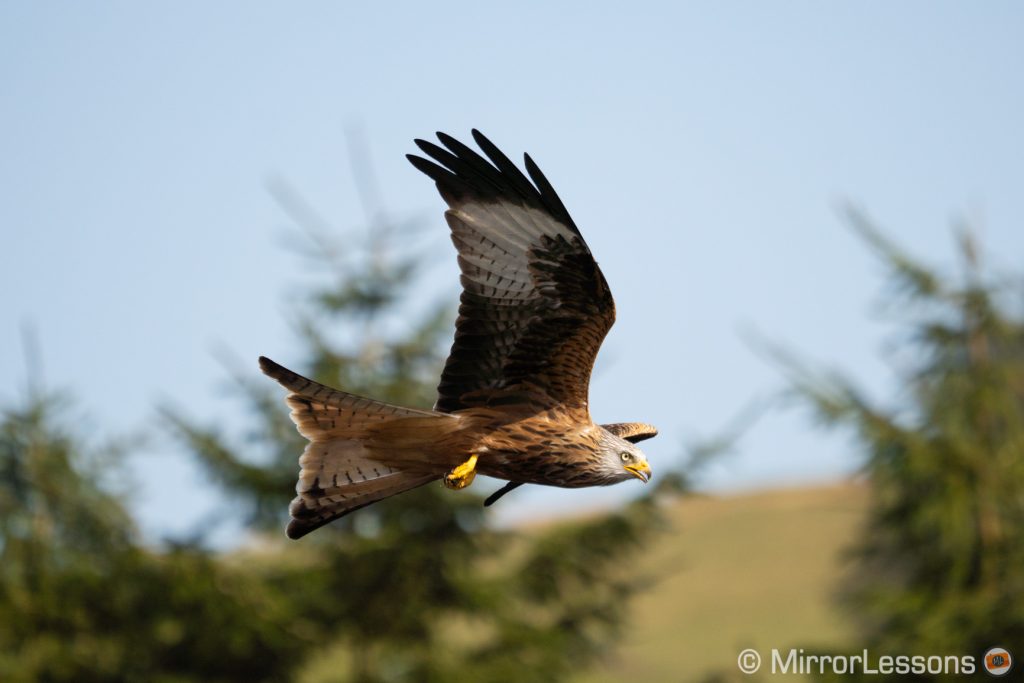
703,148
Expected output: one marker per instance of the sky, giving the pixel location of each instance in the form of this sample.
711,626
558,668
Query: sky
705,150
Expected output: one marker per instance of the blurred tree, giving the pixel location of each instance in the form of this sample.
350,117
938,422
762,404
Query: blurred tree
418,587
81,600
938,569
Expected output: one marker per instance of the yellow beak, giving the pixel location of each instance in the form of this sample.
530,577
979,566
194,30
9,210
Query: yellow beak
641,471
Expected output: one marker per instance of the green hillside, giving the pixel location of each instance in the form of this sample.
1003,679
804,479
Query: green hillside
757,570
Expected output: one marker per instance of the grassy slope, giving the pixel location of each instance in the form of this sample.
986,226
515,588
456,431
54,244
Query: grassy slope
757,570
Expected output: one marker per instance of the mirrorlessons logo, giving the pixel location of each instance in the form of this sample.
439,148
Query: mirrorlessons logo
796,661
997,662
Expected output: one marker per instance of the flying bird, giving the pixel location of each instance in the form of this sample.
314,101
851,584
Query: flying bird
513,397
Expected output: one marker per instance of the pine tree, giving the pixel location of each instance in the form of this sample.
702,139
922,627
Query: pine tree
939,567
82,599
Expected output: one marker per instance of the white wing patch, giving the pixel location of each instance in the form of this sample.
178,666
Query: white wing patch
494,240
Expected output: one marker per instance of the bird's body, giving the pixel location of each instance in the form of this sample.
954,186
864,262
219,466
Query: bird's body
539,449
513,397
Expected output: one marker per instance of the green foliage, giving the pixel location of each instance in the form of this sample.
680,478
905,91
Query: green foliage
81,600
938,567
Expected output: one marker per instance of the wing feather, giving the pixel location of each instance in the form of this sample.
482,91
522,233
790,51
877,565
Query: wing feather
535,307
632,431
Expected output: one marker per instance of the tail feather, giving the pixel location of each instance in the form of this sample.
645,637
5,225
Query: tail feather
345,466
320,411
310,512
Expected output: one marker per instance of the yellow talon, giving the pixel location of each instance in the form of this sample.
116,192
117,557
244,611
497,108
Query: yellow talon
462,476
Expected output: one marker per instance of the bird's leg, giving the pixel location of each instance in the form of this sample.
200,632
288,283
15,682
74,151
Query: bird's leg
461,476
493,498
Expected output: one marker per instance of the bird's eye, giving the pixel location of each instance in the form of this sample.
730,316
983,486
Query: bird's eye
626,457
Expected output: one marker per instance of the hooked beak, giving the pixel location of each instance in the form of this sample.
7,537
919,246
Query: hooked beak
641,471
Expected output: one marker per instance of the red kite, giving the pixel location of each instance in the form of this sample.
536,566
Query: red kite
513,397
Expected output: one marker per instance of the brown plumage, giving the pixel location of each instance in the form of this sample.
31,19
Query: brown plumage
513,397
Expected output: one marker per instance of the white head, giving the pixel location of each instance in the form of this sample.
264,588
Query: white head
621,459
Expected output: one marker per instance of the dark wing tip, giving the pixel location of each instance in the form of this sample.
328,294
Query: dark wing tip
426,145
436,172
547,192
461,170
481,139
632,431
643,437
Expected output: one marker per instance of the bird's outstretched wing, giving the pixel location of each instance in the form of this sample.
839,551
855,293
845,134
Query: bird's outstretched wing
535,306
632,431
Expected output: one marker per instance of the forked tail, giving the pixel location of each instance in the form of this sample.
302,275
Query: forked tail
345,465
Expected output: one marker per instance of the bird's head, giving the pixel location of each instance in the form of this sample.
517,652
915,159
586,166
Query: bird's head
621,459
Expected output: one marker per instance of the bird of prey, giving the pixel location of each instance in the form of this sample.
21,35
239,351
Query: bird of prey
513,397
